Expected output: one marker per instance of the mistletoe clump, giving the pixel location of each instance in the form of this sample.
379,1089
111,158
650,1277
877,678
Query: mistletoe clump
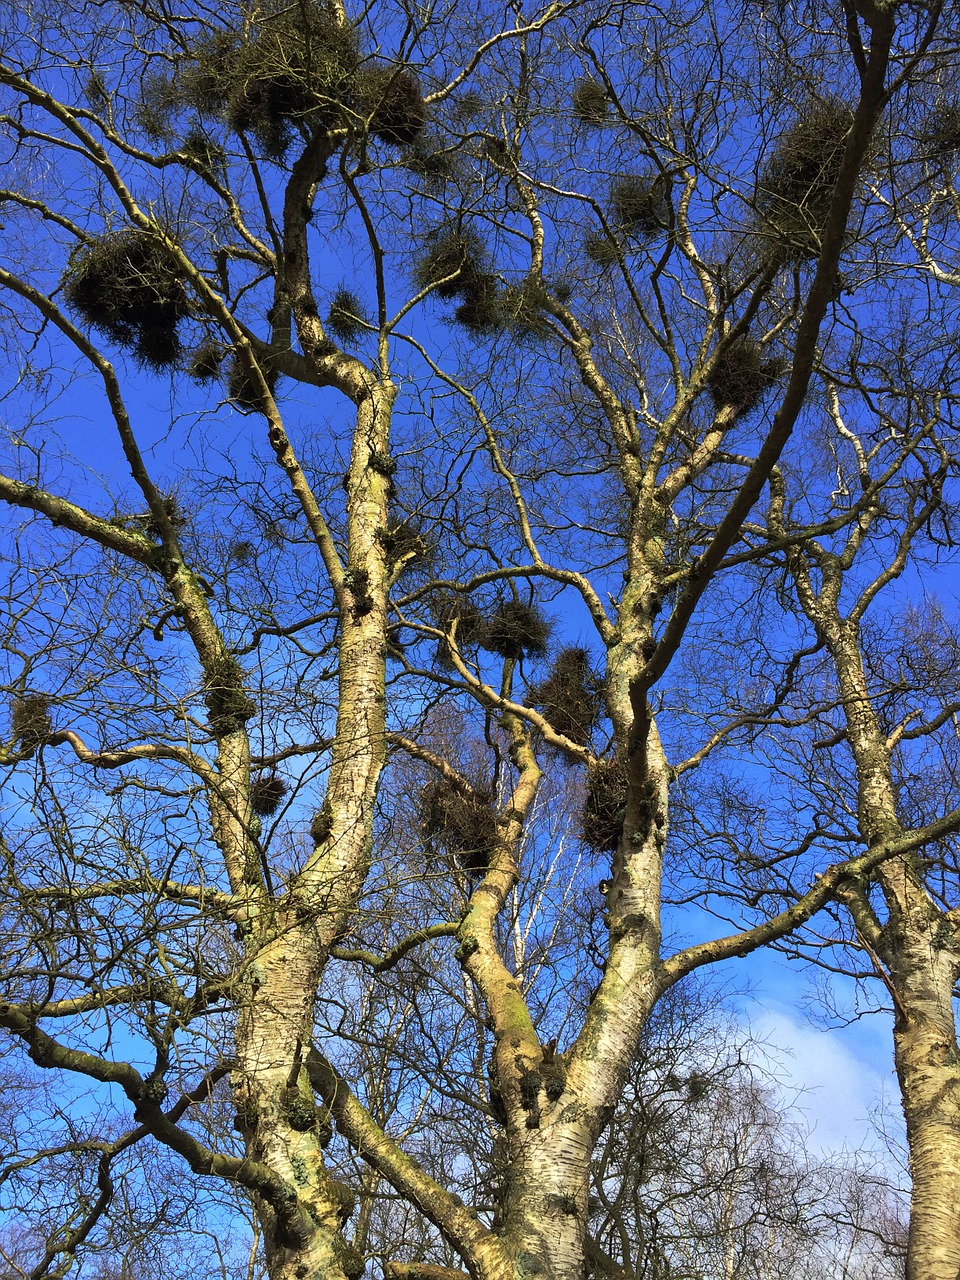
591,102
298,66
796,188
242,388
129,286
940,132
228,703
30,722
604,806
394,104
470,623
639,205
431,162
346,320
267,791
205,361
516,630
404,543
462,819
206,154
174,513
455,267
741,377
523,309
571,697
602,249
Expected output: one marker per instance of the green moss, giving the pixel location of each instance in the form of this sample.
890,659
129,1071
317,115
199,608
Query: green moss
468,947
297,1109
382,463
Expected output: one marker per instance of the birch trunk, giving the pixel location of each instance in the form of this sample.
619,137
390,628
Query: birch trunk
915,950
277,1114
924,974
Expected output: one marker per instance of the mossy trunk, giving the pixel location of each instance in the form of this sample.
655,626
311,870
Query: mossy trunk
924,974
916,951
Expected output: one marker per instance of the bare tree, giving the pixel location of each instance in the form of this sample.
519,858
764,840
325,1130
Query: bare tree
446,358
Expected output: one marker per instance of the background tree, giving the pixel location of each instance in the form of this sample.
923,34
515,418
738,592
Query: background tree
501,330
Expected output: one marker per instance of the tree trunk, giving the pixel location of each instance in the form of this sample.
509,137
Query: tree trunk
928,1067
277,1114
546,1199
916,952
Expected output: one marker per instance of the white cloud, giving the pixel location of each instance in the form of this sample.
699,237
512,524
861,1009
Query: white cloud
836,1090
